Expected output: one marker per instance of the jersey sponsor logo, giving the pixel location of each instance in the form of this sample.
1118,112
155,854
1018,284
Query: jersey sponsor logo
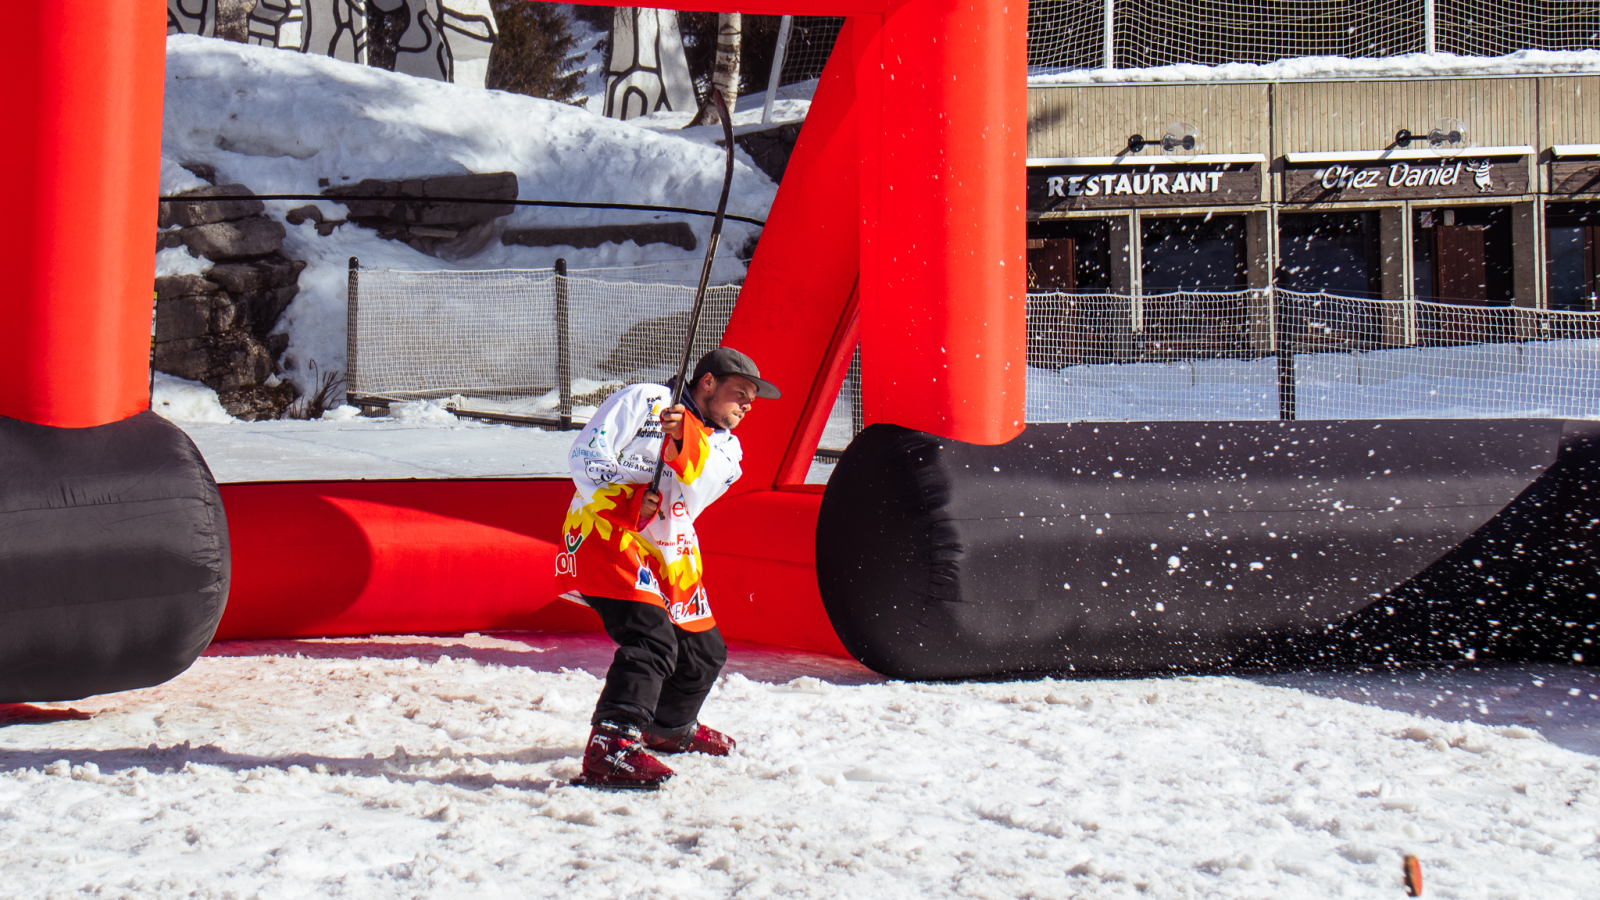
638,462
679,509
692,609
601,471
567,562
646,581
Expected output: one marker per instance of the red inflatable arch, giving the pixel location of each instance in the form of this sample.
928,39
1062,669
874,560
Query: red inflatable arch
899,222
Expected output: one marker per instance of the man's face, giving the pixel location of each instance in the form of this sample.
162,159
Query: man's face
725,403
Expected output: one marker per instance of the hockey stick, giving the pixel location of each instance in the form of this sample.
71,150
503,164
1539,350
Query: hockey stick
678,386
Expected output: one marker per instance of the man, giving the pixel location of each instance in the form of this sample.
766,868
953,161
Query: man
632,556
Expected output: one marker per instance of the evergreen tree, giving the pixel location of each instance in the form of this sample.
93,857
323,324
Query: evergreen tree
533,54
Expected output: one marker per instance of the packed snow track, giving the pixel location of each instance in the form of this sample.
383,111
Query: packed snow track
437,767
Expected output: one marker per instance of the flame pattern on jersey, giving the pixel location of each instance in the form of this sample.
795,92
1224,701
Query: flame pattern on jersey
605,552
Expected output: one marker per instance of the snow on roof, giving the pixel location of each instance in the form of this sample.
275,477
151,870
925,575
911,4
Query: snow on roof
1315,68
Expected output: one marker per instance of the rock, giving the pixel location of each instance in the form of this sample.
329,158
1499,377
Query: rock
240,362
226,316
262,308
465,244
243,239
204,171
307,213
420,209
215,328
188,358
182,285
260,402
183,318
431,218
771,148
268,272
678,234
234,201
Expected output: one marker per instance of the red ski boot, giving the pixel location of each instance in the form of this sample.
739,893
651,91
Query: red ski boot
615,760
692,738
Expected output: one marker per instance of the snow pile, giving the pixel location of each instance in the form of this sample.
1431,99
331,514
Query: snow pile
1302,68
436,767
428,412
791,105
179,261
278,122
175,179
187,402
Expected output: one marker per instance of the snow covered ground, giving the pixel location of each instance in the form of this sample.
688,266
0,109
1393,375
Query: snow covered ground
436,767
378,448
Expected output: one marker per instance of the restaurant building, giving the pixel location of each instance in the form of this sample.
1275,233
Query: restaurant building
1481,191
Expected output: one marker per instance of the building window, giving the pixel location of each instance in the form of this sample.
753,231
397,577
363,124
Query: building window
1072,256
1463,255
1194,254
1574,230
1333,253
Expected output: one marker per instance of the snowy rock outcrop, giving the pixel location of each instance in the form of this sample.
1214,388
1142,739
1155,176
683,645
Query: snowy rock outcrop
215,325
281,122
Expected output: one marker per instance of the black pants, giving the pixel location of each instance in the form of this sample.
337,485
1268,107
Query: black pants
661,674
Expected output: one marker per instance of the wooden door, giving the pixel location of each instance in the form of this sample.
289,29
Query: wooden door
1052,265
1460,271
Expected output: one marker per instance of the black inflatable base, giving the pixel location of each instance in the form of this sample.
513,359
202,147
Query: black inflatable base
1149,546
113,557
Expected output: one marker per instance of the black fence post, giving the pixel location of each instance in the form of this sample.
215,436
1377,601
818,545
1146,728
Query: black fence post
1284,348
858,419
563,347
351,385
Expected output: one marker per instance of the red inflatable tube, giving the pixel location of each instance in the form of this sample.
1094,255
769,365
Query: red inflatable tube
347,558
339,558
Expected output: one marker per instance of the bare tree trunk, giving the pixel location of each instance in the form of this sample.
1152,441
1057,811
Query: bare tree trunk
725,74
231,16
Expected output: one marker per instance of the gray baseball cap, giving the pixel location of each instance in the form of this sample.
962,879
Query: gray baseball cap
728,361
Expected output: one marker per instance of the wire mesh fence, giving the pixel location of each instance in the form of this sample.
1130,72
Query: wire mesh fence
1124,34
1274,353
516,344
811,40
537,346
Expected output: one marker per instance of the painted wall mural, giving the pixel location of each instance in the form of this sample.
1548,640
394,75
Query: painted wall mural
447,40
648,71
192,17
